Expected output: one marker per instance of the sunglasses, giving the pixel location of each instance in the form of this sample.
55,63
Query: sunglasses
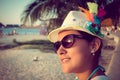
67,41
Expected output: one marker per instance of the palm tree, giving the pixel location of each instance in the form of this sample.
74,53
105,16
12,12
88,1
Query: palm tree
56,10
1,25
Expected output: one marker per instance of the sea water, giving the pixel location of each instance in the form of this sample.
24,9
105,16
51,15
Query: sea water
20,31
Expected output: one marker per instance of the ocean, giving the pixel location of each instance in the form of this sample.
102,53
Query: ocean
20,31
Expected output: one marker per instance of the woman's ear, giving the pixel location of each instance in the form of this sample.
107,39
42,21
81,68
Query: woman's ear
95,44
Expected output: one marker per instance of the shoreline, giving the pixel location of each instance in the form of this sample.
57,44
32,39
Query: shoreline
21,38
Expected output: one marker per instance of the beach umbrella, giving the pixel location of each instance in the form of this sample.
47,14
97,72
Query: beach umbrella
107,22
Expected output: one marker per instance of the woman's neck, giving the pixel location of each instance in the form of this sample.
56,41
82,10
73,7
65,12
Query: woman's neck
84,75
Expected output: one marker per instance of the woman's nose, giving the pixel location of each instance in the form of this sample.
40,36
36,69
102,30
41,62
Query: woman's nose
61,50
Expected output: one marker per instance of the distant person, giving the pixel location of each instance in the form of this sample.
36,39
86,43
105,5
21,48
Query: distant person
109,29
1,33
43,30
14,31
78,44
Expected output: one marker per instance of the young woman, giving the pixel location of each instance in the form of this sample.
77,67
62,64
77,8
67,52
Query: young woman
78,43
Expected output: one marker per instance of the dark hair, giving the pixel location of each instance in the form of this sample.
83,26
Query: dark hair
90,38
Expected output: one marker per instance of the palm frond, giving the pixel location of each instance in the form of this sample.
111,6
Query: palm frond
50,9
31,11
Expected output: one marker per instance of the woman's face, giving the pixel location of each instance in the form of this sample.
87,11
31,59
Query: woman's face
76,58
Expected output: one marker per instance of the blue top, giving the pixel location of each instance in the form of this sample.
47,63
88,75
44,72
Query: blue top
103,77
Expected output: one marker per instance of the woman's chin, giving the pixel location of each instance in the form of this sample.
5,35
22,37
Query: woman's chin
67,71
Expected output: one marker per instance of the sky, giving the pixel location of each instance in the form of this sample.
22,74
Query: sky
11,10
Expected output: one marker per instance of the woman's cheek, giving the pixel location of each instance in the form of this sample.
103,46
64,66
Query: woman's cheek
80,53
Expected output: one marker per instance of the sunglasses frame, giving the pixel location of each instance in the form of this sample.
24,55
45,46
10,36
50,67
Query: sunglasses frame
66,43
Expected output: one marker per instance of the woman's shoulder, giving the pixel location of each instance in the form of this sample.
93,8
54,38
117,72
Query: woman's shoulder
102,77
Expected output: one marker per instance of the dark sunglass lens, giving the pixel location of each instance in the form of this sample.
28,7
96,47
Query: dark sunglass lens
68,41
57,45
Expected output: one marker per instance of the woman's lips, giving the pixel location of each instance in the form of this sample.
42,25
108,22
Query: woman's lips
64,60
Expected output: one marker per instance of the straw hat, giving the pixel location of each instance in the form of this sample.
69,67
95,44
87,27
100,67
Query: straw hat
77,20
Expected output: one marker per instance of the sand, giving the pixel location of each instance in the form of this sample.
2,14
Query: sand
19,65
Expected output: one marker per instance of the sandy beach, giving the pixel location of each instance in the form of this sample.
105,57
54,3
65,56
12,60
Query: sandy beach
18,64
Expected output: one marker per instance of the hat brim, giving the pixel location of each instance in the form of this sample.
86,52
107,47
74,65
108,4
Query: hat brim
53,35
